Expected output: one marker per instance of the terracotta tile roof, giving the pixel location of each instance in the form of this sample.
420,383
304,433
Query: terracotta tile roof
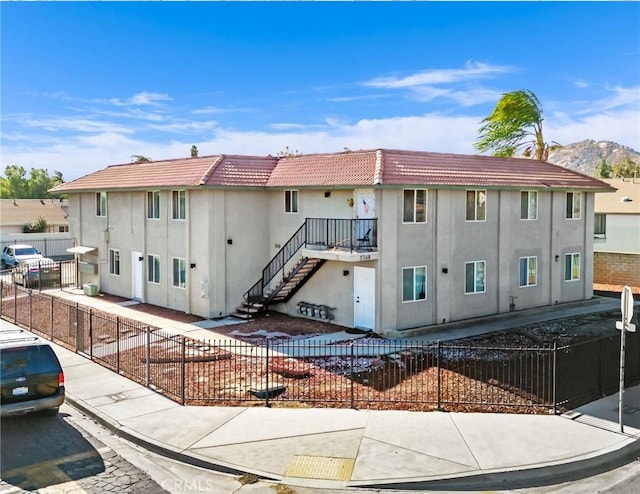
241,171
353,168
612,203
367,168
25,211
420,168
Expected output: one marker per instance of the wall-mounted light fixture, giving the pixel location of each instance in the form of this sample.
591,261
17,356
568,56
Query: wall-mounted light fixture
345,272
327,193
229,241
445,270
192,265
557,257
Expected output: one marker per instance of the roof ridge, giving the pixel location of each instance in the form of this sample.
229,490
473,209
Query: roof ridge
205,178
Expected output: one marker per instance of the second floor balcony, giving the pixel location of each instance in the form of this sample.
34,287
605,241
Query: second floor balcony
342,239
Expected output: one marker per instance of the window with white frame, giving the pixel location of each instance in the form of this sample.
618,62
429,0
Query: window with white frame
153,268
114,262
178,204
414,284
474,277
528,271
415,206
179,272
528,205
101,203
153,204
290,201
573,205
476,205
600,225
572,266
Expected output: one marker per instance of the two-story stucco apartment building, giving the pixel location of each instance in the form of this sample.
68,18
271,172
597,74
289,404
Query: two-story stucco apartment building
378,239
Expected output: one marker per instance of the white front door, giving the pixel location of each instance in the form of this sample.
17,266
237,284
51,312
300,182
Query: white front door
364,297
137,269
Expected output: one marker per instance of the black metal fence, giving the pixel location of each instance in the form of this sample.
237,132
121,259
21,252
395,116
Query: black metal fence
42,274
366,372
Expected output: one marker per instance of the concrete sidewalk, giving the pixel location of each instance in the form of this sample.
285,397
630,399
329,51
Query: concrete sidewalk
343,448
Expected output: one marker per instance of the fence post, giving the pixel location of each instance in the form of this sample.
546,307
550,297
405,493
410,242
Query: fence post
51,317
183,374
555,401
147,366
352,375
118,344
1,298
30,311
15,305
439,407
267,404
91,334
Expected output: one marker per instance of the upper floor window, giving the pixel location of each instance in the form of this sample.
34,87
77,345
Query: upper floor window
101,203
476,205
290,201
414,284
528,205
153,268
474,277
153,204
528,271
415,206
572,267
114,261
573,205
179,272
600,225
178,204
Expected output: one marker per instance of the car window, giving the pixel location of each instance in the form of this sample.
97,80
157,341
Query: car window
26,251
28,360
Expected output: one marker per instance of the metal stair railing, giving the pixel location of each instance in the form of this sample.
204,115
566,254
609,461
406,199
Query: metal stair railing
277,265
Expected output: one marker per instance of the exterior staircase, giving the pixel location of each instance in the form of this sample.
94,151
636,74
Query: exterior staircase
282,291
287,271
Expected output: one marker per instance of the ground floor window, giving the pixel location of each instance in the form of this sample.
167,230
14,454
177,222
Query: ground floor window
153,268
528,271
414,284
474,277
114,262
572,267
179,272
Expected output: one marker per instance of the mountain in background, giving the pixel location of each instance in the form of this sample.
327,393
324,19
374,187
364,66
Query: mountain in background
585,155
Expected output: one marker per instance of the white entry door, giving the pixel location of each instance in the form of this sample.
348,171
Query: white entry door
137,269
364,297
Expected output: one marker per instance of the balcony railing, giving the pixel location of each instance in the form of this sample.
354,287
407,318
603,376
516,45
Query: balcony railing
347,234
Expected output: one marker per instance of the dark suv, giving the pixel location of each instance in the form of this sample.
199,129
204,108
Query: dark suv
31,377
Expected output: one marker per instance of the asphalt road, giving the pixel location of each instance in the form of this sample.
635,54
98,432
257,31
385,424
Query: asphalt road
39,452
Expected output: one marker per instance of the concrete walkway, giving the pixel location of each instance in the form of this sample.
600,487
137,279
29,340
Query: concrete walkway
342,448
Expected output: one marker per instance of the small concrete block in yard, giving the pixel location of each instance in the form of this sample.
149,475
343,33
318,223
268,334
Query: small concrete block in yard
264,392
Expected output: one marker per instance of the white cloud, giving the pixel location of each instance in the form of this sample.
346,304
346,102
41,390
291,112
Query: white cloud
142,98
471,71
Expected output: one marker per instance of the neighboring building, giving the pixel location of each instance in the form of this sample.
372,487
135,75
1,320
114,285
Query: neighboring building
617,234
379,239
15,214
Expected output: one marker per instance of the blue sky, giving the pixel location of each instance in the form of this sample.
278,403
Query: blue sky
86,85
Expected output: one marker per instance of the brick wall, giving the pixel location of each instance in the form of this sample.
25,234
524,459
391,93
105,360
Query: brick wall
612,268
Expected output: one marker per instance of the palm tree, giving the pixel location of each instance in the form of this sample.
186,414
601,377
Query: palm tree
515,124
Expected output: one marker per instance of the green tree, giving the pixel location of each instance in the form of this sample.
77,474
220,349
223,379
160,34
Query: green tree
16,184
38,226
514,125
627,168
194,151
288,152
603,170
139,158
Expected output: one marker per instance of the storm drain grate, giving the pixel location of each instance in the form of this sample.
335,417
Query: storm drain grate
320,467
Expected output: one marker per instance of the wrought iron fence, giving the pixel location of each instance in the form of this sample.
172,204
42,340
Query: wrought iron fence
367,372
42,274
